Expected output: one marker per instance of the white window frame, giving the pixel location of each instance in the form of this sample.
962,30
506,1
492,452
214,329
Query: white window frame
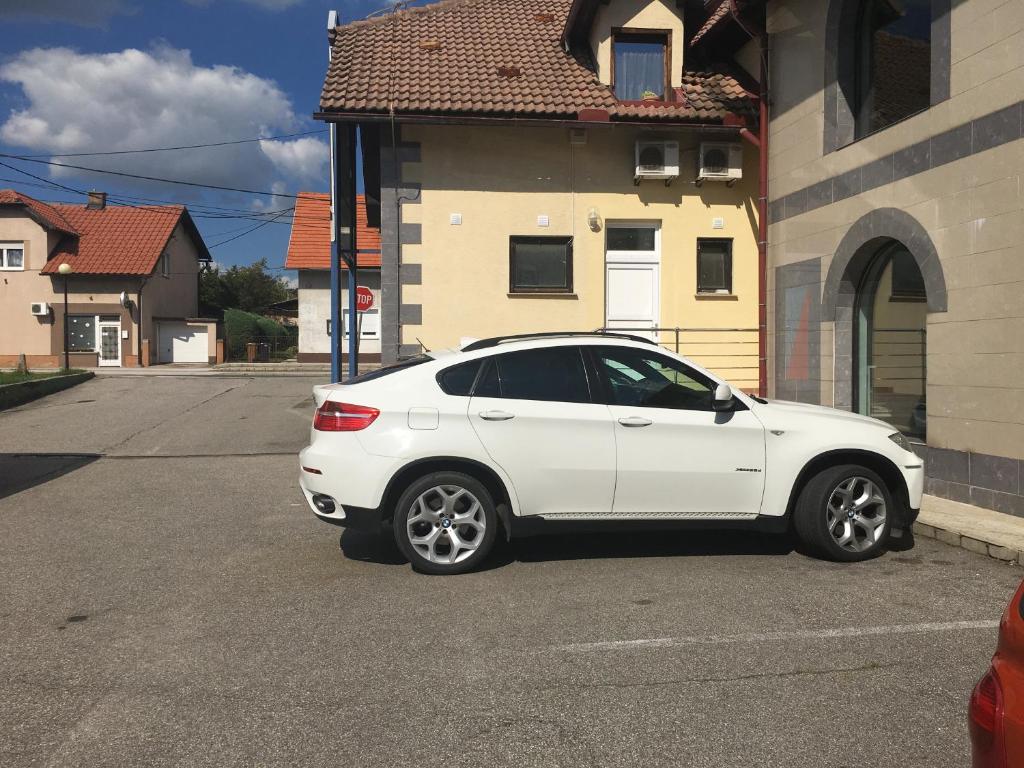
14,246
165,264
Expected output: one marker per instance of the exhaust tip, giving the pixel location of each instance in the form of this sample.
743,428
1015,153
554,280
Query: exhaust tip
324,504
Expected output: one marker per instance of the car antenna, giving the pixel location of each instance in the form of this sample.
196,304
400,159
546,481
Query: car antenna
421,344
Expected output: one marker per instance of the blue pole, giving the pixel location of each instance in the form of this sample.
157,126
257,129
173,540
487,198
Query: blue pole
353,325
337,333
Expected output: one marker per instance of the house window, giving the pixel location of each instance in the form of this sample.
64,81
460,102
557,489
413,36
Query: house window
714,266
12,256
893,63
640,63
540,264
81,333
165,265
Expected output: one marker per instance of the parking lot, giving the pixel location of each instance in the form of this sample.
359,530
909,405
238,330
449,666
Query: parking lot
167,599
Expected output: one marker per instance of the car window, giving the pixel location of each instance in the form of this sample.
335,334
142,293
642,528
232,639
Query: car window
387,370
552,374
458,380
648,379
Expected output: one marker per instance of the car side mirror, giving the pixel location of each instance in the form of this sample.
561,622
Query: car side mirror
723,398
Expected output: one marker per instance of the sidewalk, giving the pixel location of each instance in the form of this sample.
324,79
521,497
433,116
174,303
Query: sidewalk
976,529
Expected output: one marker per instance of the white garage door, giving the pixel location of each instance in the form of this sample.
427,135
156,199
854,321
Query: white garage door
183,343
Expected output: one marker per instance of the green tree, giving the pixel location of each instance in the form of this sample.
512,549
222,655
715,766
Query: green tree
250,288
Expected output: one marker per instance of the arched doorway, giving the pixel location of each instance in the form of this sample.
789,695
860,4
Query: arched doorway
882,283
890,341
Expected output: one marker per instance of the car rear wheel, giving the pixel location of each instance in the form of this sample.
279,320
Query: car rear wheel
844,513
445,523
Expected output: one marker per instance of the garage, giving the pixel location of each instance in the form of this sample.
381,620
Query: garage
182,342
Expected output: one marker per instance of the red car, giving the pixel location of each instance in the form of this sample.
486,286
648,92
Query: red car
996,714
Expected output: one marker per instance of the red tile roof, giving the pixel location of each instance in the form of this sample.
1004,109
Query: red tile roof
309,246
43,213
724,9
114,240
489,57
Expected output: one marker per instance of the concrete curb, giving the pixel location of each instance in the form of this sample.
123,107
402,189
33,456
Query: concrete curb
26,391
975,529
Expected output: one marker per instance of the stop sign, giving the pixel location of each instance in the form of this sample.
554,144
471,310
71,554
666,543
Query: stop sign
364,298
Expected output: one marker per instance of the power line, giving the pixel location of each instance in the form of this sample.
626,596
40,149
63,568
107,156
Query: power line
154,178
243,234
172,149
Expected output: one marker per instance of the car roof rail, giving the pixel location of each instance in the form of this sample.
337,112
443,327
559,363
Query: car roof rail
496,340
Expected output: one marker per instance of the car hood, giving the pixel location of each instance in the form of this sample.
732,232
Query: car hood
786,410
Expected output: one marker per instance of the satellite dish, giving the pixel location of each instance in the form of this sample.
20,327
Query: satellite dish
125,301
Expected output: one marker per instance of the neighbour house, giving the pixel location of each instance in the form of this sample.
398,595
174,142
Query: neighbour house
309,251
539,165
132,289
897,226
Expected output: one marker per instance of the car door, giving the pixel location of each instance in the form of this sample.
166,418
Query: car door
675,454
535,416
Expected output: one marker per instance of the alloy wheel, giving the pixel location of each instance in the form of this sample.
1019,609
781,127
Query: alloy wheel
446,524
855,514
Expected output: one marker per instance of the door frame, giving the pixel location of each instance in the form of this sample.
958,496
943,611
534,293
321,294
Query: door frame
100,325
637,258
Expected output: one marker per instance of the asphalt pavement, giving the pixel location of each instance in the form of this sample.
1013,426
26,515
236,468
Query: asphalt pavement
167,599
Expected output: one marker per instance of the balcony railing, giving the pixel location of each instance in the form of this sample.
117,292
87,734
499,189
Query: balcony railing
731,353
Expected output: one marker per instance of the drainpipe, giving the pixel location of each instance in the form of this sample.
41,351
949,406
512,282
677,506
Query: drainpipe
138,331
761,142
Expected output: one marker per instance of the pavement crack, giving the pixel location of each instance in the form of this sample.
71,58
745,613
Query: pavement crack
179,414
729,678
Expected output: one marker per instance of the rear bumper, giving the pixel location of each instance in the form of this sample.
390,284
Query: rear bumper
351,478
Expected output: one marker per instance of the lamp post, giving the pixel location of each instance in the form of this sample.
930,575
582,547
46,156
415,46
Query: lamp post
65,271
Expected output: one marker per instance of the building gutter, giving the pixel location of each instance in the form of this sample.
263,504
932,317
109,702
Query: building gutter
760,141
381,117
138,335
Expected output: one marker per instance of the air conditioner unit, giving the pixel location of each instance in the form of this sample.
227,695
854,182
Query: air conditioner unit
657,159
720,162
40,308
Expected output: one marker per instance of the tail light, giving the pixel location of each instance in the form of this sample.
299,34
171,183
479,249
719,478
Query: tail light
343,417
985,721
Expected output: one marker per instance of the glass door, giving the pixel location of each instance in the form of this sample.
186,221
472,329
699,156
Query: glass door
109,342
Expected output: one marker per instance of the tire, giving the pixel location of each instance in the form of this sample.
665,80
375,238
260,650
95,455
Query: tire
829,522
427,527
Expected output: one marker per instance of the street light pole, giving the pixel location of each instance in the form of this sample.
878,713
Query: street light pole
65,270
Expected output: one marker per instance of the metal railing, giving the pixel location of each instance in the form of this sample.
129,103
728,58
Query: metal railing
731,353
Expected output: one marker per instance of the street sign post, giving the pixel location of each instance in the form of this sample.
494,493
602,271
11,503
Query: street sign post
364,302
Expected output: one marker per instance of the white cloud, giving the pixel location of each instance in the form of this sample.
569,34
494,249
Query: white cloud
86,13
305,158
131,99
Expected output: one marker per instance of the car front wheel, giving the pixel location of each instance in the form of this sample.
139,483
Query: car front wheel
844,513
445,523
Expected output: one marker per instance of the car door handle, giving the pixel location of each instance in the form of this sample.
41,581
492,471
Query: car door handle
496,415
635,421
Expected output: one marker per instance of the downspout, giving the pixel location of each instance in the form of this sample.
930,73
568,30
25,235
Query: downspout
761,142
138,332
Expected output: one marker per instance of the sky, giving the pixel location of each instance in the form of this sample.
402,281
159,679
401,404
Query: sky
87,76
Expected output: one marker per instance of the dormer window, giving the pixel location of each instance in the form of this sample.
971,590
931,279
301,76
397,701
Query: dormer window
640,63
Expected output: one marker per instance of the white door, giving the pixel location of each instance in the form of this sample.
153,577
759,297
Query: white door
109,332
182,343
675,455
633,277
632,299
533,414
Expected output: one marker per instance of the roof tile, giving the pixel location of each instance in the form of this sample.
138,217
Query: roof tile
309,246
383,62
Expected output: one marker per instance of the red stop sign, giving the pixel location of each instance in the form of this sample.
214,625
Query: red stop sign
364,298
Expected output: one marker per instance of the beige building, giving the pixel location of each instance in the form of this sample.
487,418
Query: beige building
545,165
896,238
132,290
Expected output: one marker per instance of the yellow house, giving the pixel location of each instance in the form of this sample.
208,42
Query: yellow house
545,165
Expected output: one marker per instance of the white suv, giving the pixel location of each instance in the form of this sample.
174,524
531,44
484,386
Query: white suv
448,448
